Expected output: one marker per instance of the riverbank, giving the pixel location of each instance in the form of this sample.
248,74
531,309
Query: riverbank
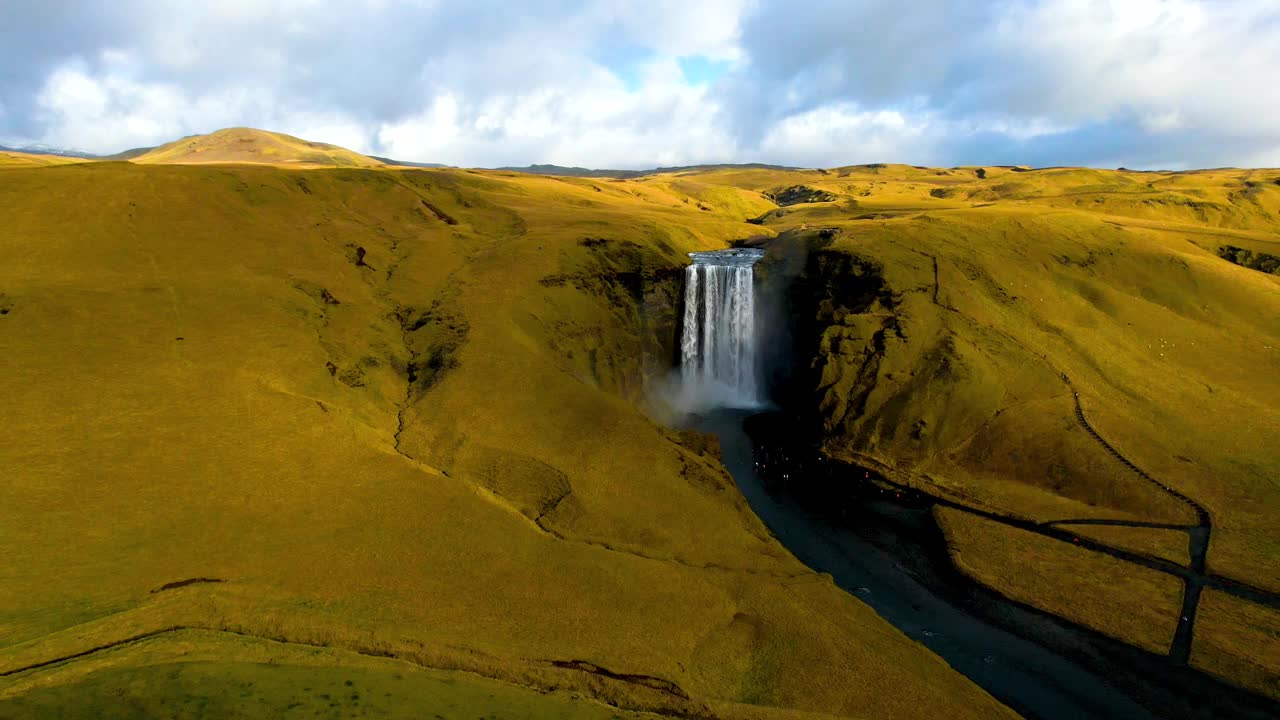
882,544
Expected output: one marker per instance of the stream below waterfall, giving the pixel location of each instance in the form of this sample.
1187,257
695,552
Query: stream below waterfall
887,553
1024,676
884,547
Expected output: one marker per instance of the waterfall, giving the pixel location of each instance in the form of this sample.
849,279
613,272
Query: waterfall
718,348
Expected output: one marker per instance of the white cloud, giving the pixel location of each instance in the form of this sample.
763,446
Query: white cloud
678,27
99,112
1170,63
607,127
845,135
110,109
488,82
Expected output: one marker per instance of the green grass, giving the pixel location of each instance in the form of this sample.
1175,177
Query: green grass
207,379
1238,640
1110,277
1167,544
247,145
1130,603
408,413
1173,350
25,160
195,674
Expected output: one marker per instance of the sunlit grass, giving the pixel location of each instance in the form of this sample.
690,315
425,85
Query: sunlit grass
206,372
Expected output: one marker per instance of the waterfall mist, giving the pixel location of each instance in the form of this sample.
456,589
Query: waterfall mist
719,352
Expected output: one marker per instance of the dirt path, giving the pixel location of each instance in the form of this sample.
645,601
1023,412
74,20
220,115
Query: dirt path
1194,576
1197,544
888,542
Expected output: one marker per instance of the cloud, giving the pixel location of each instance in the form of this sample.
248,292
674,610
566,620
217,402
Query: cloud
590,82
844,135
607,126
108,106
1039,77
1175,69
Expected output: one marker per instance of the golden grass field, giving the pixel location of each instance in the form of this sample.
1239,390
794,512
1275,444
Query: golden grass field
404,417
1110,277
23,159
1242,641
1134,604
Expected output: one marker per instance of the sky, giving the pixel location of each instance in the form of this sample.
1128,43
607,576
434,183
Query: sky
611,84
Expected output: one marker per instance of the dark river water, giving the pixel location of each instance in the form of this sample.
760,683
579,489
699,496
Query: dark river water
886,552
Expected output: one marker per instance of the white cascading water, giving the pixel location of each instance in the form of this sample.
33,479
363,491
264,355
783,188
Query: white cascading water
718,348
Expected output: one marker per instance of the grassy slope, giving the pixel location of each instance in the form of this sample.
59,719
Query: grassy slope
1110,277
188,675
1137,605
10,159
1242,641
396,411
1154,329
247,145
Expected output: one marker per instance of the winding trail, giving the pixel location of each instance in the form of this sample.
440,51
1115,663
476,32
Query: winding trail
1201,513
878,540
1197,544
1194,576
1120,523
1051,529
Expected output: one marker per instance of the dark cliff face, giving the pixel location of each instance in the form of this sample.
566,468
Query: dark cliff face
631,333
798,194
1260,261
870,364
805,290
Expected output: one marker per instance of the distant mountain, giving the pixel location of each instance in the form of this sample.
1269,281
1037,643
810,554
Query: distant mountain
39,149
48,150
407,163
563,171
22,158
128,154
132,153
249,145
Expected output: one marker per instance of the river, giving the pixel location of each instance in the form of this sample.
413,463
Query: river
882,551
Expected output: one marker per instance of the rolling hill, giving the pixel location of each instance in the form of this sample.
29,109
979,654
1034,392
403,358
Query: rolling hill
1068,347
564,171
321,418
17,158
248,145
320,438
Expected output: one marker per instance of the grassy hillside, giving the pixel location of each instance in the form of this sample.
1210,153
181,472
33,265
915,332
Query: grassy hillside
370,417
954,315
202,674
14,158
262,419
247,145
985,305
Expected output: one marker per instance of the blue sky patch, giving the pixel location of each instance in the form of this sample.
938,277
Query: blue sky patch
627,63
700,69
